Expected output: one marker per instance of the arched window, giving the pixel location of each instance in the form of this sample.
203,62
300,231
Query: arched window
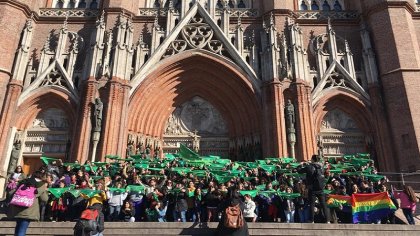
59,4
82,4
303,6
315,81
241,4
93,5
326,6
219,4
314,6
156,4
337,6
230,4
72,4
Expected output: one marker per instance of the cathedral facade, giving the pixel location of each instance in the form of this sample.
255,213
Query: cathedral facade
244,79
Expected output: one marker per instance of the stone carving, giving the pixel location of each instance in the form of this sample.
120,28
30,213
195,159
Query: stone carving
52,12
323,15
196,35
14,157
196,114
55,78
339,121
99,106
340,135
243,13
52,119
289,112
335,79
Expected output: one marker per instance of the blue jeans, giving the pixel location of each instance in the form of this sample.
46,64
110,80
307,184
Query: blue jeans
21,227
409,215
182,213
304,214
290,216
114,212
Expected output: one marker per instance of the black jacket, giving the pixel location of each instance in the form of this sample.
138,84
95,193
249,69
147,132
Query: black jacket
221,229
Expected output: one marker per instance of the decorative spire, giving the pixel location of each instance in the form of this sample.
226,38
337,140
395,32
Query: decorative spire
156,22
329,27
271,19
28,24
347,46
65,23
239,24
101,20
47,44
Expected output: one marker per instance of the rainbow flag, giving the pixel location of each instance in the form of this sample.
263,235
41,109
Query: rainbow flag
338,200
369,208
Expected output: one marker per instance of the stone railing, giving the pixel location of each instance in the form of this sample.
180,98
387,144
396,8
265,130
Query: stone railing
155,11
239,12
74,12
323,15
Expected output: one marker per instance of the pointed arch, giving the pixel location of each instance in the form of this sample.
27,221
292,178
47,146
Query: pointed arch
43,99
349,103
195,73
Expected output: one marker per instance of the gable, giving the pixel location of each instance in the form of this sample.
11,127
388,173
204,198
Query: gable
336,76
55,76
196,31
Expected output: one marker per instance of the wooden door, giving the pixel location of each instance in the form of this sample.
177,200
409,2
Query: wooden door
31,164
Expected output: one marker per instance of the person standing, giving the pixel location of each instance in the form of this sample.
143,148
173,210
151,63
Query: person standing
233,201
315,182
408,203
24,215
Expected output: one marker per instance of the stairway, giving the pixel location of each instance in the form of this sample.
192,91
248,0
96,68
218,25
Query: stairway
154,228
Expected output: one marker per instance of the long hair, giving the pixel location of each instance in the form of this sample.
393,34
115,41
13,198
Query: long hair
410,193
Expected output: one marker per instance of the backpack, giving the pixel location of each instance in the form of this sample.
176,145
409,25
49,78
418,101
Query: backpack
318,179
24,196
88,220
234,218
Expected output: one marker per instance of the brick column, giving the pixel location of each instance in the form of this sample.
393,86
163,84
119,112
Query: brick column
397,51
305,131
14,90
274,127
385,151
114,131
81,138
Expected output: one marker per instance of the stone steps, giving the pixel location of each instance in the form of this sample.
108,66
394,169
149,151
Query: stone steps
155,228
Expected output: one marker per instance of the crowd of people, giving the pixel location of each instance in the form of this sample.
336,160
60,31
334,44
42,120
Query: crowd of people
177,189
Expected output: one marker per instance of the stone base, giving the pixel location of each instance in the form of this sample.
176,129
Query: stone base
154,228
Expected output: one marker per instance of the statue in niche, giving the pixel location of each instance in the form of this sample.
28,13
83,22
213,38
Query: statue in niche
14,157
130,147
289,112
99,106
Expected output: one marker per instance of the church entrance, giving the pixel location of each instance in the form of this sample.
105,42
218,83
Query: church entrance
48,136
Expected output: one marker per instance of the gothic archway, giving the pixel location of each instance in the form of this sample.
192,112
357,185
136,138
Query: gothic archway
182,77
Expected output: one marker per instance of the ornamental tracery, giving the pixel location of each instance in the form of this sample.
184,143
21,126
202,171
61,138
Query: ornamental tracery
197,34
